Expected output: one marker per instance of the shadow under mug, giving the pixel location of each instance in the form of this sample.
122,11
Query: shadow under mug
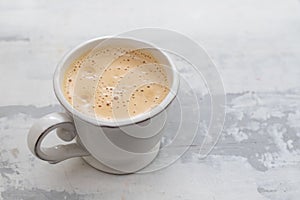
113,146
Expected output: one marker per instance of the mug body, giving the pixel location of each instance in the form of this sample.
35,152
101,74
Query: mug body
119,146
114,150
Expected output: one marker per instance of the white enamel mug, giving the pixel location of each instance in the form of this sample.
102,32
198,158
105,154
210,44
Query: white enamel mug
118,146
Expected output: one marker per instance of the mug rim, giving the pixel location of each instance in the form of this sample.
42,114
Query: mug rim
114,122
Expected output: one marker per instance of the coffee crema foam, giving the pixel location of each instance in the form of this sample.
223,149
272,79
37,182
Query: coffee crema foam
114,83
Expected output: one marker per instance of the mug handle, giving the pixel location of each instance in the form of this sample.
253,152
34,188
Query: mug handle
65,131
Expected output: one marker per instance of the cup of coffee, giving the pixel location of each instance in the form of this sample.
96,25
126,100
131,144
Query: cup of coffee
116,93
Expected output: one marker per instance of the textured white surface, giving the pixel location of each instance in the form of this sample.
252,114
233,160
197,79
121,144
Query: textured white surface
256,47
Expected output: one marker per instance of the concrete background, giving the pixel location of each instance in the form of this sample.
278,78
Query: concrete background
255,46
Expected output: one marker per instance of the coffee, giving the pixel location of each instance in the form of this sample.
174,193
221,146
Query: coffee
115,82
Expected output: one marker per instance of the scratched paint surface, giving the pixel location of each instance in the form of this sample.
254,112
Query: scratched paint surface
256,48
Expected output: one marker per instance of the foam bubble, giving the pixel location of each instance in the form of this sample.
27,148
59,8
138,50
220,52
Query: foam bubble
116,82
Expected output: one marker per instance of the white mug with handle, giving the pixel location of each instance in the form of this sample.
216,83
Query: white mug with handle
119,146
